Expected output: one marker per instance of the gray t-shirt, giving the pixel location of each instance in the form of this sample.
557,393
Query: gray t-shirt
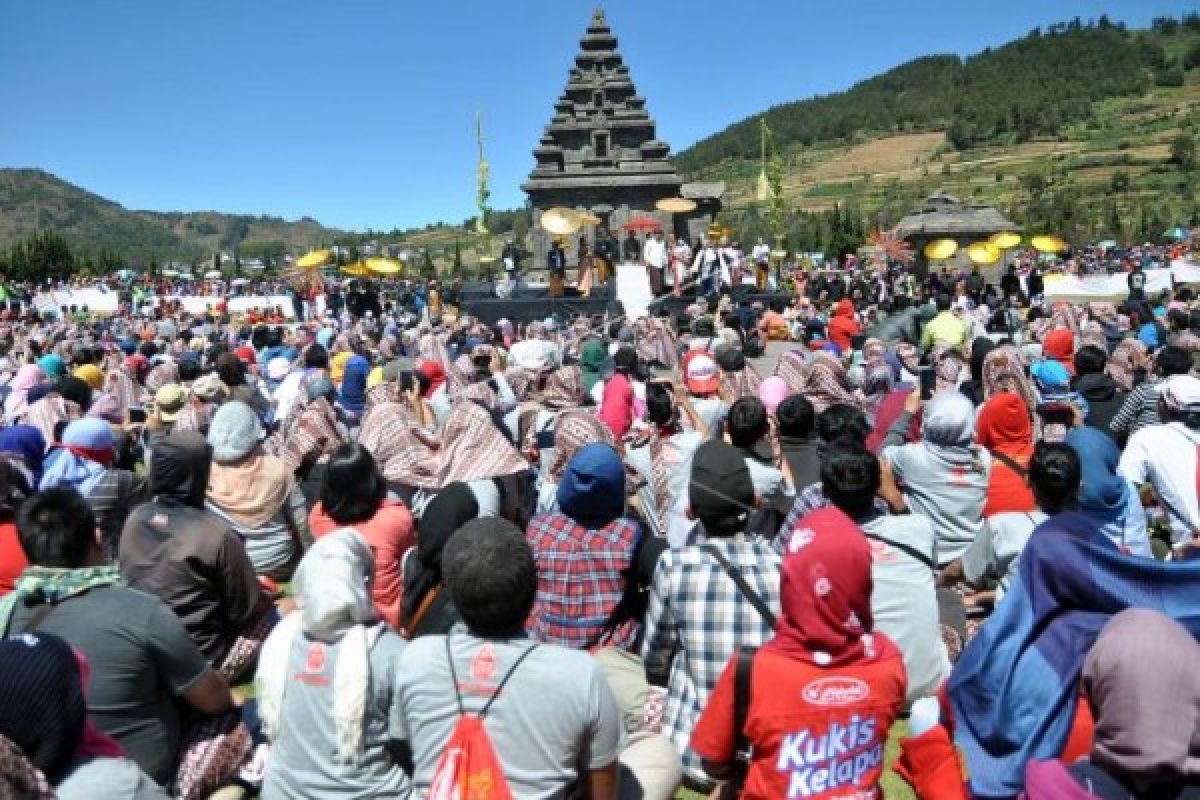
554,720
108,779
304,759
141,658
992,558
951,493
904,599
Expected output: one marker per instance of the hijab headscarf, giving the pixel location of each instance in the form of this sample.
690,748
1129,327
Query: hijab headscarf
1147,724
1103,494
82,458
180,467
27,444
53,365
827,384
75,390
1128,359
794,367
825,594
573,430
352,395
948,421
42,706
591,358
564,388
27,377
453,507
1004,425
333,598
1004,371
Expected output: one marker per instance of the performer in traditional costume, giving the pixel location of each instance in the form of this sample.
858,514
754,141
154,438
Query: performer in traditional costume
681,257
761,256
556,263
605,255
707,266
655,255
586,261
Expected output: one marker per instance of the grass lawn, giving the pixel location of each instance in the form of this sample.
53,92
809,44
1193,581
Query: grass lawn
894,788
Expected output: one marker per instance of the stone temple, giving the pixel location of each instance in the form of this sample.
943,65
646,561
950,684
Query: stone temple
599,152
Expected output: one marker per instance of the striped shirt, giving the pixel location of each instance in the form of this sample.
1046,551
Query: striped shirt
1140,410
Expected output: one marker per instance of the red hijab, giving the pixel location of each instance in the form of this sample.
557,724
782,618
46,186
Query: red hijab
825,594
1059,344
1004,426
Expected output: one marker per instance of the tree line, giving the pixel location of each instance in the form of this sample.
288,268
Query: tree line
1034,86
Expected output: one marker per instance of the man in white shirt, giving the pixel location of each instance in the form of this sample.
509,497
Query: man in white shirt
761,256
1166,455
707,268
654,253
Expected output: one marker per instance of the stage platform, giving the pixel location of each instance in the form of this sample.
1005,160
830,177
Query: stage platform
530,302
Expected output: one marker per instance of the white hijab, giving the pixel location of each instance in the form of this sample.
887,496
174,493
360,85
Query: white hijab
333,599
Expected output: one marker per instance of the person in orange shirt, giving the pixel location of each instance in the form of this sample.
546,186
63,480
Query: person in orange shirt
354,495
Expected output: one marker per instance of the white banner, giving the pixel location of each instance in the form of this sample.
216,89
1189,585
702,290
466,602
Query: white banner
1085,288
199,304
97,300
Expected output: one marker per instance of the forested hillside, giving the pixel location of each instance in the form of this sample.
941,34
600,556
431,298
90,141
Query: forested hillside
1031,87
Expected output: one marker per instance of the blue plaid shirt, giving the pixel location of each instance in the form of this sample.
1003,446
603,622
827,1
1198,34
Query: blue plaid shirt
696,618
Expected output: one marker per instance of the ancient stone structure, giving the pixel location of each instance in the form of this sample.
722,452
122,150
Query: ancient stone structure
944,216
599,152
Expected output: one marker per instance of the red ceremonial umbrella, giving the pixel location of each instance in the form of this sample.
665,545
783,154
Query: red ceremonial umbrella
643,224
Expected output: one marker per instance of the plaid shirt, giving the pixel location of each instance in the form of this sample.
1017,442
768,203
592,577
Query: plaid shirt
809,499
696,619
581,579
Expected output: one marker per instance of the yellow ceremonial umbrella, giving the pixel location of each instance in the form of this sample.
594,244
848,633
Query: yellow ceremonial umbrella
588,218
385,266
1048,244
314,259
983,253
940,249
356,270
676,205
561,221
1005,240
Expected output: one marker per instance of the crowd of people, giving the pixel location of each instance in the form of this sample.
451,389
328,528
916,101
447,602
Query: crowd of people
385,549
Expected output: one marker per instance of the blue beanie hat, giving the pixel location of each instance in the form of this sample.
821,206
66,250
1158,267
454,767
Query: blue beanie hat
1050,375
592,489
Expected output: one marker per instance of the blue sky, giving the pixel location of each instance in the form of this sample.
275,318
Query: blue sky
360,113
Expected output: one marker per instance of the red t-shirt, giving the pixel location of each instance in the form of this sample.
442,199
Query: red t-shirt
817,732
390,534
1008,491
12,557
616,407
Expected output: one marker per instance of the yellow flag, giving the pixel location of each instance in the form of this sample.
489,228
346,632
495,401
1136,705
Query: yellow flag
763,189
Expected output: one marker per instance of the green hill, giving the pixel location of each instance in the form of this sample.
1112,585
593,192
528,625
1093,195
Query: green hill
32,200
1087,130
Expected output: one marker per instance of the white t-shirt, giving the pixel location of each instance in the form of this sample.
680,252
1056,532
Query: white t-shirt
993,557
1165,455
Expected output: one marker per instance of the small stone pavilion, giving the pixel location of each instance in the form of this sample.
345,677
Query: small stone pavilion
599,152
944,216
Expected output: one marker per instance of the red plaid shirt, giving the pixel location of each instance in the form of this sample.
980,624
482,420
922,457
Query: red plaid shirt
581,579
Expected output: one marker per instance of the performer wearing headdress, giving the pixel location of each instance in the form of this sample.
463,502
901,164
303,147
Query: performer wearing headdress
681,257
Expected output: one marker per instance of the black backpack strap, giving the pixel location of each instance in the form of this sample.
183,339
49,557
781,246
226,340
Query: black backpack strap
924,558
742,675
746,589
503,681
1010,462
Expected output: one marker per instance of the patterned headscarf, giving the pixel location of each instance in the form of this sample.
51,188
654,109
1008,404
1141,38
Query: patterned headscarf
308,435
473,448
572,430
741,383
1129,356
564,388
1093,335
1004,371
828,385
793,367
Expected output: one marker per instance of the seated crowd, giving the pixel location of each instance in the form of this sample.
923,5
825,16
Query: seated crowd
350,558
